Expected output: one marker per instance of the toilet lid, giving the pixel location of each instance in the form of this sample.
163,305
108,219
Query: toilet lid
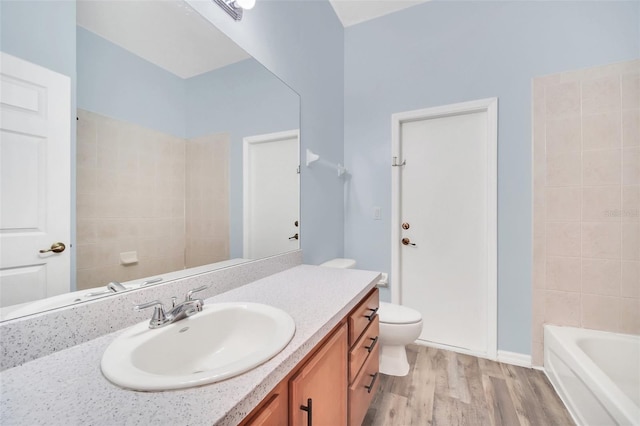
340,263
391,313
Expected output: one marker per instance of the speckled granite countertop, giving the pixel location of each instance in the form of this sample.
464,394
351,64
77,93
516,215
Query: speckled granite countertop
67,387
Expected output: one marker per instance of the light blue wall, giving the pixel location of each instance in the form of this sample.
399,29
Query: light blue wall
114,82
439,53
302,43
242,99
27,29
44,32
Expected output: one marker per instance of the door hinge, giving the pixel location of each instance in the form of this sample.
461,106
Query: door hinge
395,163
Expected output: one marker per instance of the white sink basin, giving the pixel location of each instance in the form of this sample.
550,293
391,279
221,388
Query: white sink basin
222,341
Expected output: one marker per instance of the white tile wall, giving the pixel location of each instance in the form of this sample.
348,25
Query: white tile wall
140,190
586,169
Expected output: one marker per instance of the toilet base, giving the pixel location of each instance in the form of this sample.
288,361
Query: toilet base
393,360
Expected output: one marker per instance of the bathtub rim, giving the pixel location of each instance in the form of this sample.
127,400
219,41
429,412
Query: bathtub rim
563,341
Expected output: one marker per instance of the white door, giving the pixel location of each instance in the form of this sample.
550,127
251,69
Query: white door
271,194
35,181
445,223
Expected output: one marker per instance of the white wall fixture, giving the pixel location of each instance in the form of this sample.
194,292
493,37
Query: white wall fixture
312,157
235,8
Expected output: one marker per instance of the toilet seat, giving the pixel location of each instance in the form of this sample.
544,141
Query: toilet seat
391,313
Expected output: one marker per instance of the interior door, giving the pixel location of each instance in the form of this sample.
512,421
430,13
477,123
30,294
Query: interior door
444,208
271,194
35,181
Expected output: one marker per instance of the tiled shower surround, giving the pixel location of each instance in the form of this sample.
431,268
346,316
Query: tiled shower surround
586,171
207,200
136,188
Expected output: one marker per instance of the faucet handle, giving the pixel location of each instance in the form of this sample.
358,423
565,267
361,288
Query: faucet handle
195,290
159,316
115,286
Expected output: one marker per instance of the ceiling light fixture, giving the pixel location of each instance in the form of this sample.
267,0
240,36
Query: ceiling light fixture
235,7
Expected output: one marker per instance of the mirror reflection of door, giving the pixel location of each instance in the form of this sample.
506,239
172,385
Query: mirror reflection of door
271,194
34,171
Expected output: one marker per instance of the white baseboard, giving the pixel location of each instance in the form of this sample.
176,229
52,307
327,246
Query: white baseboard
453,349
506,357
514,358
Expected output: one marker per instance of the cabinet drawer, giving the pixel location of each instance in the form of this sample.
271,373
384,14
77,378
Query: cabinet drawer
362,316
363,347
364,388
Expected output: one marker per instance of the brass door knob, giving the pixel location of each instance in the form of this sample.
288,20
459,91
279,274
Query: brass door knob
407,242
406,225
55,247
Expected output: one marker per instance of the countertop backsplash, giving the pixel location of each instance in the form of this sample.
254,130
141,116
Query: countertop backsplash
31,337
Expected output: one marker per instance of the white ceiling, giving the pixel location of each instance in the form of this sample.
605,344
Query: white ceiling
171,35
351,12
167,33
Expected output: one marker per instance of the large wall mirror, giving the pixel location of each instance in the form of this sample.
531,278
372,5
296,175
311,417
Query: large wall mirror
187,152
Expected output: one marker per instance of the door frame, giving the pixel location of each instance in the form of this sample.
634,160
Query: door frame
490,106
247,142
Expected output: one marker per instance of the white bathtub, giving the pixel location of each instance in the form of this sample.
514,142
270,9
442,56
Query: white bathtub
597,374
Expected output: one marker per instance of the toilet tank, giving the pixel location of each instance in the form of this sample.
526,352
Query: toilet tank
340,263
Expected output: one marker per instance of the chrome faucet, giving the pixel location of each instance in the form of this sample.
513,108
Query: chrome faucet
115,286
182,310
151,281
112,287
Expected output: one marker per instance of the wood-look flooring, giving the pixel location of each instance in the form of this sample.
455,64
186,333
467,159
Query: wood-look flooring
445,388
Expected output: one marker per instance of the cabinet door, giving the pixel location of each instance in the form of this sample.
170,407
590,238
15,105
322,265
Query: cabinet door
319,390
273,411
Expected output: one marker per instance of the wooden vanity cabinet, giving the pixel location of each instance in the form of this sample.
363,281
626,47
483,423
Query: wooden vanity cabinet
339,378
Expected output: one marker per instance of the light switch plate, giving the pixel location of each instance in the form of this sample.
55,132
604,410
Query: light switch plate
377,213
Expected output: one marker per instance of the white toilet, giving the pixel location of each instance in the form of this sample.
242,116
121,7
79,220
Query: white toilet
399,326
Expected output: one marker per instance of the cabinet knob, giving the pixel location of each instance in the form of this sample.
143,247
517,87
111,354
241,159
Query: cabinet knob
373,344
372,314
373,380
308,408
